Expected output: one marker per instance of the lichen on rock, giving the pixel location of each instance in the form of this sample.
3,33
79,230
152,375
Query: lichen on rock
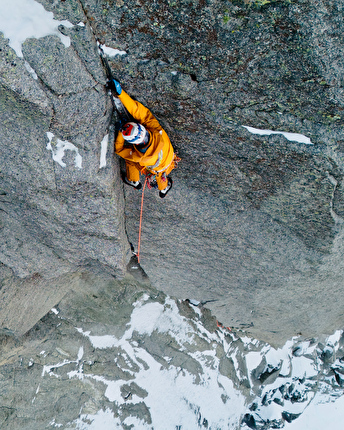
254,221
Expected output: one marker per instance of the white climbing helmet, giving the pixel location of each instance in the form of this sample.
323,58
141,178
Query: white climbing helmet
134,133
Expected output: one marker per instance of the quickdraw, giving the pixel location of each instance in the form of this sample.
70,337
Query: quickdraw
151,181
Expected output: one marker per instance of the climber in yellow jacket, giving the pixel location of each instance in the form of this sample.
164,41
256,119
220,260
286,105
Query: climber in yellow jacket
144,145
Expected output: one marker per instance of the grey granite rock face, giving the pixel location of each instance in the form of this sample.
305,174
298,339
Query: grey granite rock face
253,224
60,209
251,227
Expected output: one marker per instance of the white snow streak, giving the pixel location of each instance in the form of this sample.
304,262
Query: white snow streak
30,70
294,137
48,369
103,150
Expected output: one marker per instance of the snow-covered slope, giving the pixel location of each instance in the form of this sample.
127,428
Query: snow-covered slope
171,367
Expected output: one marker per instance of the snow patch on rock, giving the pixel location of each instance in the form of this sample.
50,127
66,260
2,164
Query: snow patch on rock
293,137
111,52
58,148
24,19
103,151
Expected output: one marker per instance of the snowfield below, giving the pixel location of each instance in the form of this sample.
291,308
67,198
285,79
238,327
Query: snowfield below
177,374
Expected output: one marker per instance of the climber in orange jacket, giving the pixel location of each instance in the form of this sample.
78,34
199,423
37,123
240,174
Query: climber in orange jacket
144,145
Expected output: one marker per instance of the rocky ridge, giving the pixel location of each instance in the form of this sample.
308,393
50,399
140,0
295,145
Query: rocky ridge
121,354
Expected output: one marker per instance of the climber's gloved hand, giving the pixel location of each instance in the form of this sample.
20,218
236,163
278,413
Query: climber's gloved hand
114,86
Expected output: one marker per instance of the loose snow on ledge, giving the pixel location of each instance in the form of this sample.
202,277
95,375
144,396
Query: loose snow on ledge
294,137
24,19
59,148
111,52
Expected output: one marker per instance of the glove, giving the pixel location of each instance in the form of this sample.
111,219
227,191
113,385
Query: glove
120,123
114,86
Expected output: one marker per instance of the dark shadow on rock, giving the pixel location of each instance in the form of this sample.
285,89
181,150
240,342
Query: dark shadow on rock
135,269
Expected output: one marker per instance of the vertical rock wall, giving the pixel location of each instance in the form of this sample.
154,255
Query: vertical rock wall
253,226
61,211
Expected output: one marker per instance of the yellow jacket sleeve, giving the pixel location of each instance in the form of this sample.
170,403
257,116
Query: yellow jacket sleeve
142,115
119,147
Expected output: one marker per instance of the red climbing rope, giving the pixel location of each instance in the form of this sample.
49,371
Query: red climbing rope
139,244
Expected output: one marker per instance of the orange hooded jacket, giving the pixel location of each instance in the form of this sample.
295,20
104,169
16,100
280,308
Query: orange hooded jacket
159,157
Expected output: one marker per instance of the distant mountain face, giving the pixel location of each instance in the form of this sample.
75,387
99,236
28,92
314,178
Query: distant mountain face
120,354
250,94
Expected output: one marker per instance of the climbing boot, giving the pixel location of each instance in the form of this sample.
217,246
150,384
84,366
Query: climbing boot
136,184
162,193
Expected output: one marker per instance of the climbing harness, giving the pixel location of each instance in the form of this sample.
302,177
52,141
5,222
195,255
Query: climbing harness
151,181
124,117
